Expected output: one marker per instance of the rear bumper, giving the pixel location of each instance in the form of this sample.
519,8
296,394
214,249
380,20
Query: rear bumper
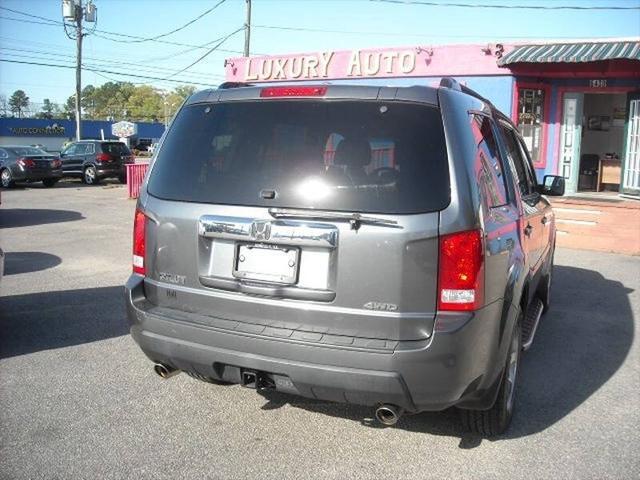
458,365
106,170
36,175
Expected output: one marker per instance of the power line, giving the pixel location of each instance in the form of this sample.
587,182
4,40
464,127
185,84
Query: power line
404,34
105,71
505,7
36,55
208,52
52,23
180,28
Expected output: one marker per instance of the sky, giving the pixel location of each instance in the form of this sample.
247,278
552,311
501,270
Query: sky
279,26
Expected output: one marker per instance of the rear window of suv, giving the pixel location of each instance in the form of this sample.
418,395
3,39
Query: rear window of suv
115,148
375,157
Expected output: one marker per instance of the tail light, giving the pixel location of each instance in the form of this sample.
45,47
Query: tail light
138,242
26,163
56,163
104,157
461,271
293,92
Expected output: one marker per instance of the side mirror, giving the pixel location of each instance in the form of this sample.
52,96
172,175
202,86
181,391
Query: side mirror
553,185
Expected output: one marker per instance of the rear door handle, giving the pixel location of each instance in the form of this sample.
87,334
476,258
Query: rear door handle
528,229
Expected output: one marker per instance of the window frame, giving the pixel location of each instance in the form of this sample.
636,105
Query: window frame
541,162
508,194
526,161
70,149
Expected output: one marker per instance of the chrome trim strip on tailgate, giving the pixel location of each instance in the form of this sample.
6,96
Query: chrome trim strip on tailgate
283,304
295,293
276,232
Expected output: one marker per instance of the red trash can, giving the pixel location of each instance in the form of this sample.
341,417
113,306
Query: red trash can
135,177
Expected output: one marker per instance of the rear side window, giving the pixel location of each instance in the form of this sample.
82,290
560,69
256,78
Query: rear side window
115,148
487,162
525,180
382,157
27,151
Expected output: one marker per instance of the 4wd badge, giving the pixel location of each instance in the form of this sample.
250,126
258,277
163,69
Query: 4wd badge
387,307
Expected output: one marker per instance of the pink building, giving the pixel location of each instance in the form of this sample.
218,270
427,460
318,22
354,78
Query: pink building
577,104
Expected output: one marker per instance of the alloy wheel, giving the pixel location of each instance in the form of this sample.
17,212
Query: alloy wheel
90,175
6,178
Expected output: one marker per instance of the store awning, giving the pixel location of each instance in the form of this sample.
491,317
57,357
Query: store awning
572,53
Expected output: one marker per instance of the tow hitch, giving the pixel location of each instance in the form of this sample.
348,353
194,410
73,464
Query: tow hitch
257,380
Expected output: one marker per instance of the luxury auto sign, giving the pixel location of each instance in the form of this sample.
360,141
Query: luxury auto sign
331,65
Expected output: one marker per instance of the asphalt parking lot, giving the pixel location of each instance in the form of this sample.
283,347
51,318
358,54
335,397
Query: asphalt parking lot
78,399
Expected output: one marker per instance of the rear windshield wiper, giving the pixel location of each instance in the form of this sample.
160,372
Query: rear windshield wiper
354,219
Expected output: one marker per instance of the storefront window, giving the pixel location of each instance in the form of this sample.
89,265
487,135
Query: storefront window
530,117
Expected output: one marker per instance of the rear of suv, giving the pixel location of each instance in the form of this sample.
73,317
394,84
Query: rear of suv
95,160
379,246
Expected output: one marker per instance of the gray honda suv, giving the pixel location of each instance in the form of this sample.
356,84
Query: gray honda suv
379,246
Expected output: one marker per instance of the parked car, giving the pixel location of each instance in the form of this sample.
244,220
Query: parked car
95,160
380,246
24,164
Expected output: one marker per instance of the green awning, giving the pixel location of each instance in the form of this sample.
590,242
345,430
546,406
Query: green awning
572,52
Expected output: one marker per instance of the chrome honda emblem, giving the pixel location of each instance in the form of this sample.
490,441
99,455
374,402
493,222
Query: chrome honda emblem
261,230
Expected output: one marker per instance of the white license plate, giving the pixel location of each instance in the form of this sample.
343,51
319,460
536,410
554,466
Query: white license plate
266,263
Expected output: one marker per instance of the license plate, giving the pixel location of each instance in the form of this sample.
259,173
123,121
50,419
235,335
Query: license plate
266,263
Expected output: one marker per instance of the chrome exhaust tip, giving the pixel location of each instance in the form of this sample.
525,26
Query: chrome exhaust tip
165,371
388,414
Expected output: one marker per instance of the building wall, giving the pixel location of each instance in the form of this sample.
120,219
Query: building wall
54,133
556,88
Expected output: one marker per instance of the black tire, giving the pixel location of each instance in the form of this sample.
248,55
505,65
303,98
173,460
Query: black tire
90,175
49,182
496,420
202,378
122,179
6,178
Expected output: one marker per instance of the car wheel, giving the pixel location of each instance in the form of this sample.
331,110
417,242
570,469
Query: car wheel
122,179
496,420
49,182
90,176
6,178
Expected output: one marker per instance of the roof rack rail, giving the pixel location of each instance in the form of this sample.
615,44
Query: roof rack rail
227,85
452,83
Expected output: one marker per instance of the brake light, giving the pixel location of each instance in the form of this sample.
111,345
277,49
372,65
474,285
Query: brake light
461,271
138,242
56,163
104,157
26,163
293,92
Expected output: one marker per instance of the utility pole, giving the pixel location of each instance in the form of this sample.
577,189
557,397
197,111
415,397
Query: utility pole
78,13
74,11
247,30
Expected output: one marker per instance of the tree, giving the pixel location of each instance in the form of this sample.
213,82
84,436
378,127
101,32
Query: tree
88,102
175,99
47,109
4,106
18,102
70,107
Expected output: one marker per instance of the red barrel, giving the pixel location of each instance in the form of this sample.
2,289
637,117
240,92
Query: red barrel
135,177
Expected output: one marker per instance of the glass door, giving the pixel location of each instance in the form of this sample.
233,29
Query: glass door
570,137
631,165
